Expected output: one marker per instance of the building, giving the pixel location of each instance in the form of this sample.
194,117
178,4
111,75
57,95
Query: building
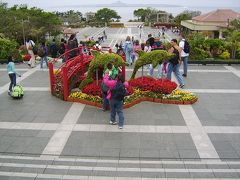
213,23
89,15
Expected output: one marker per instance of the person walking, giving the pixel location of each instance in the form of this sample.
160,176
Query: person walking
53,49
43,53
184,55
30,46
115,96
12,74
174,63
147,48
62,49
150,40
136,48
72,44
128,49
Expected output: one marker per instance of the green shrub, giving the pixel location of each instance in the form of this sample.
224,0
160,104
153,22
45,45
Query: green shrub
225,55
9,48
100,61
198,54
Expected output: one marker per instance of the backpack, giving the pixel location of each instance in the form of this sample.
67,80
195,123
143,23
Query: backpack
41,51
104,87
17,92
186,47
34,48
119,91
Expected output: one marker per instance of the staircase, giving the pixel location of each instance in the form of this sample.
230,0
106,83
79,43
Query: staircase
50,167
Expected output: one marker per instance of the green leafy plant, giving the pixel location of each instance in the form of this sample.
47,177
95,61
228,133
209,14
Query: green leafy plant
9,48
225,55
154,57
99,62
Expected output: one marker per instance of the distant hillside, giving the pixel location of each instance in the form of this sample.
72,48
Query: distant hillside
121,4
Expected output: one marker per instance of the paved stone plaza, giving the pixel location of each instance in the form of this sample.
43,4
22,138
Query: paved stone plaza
43,137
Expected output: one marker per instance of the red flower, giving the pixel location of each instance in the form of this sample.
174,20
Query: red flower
93,89
130,90
163,86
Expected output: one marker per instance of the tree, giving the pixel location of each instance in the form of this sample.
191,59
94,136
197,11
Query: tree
235,24
106,15
233,40
71,16
150,15
185,15
19,22
140,14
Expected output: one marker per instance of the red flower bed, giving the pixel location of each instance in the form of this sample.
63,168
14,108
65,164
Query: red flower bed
143,83
163,86
95,90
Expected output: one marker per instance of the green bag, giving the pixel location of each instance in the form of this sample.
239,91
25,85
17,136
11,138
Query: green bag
17,92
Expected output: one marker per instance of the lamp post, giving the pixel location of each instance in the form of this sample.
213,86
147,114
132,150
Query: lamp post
23,29
24,39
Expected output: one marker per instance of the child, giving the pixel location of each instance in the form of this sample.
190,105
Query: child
112,72
12,74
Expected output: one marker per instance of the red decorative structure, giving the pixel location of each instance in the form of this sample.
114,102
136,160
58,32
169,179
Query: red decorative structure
70,73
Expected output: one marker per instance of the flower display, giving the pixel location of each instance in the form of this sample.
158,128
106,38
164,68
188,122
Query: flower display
93,89
80,95
162,86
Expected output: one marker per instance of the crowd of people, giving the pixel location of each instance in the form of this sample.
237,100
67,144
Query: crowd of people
130,48
54,49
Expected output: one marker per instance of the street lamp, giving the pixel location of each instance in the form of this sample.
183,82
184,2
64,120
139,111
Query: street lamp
23,30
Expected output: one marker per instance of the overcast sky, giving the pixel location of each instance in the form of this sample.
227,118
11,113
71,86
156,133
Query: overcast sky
50,3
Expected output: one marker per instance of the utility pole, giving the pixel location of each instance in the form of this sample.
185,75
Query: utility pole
24,39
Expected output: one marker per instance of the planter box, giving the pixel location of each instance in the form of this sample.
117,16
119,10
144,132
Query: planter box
99,105
82,101
147,99
173,101
194,100
128,105
125,106
157,100
187,102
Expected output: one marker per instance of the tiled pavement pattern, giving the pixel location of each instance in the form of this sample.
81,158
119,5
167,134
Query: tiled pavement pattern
43,137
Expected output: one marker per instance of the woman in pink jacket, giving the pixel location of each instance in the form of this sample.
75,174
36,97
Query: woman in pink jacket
115,96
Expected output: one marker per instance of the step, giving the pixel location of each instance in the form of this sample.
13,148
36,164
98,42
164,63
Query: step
51,167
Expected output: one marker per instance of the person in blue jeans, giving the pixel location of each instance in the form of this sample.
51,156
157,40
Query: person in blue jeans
174,63
184,56
12,74
116,103
44,55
